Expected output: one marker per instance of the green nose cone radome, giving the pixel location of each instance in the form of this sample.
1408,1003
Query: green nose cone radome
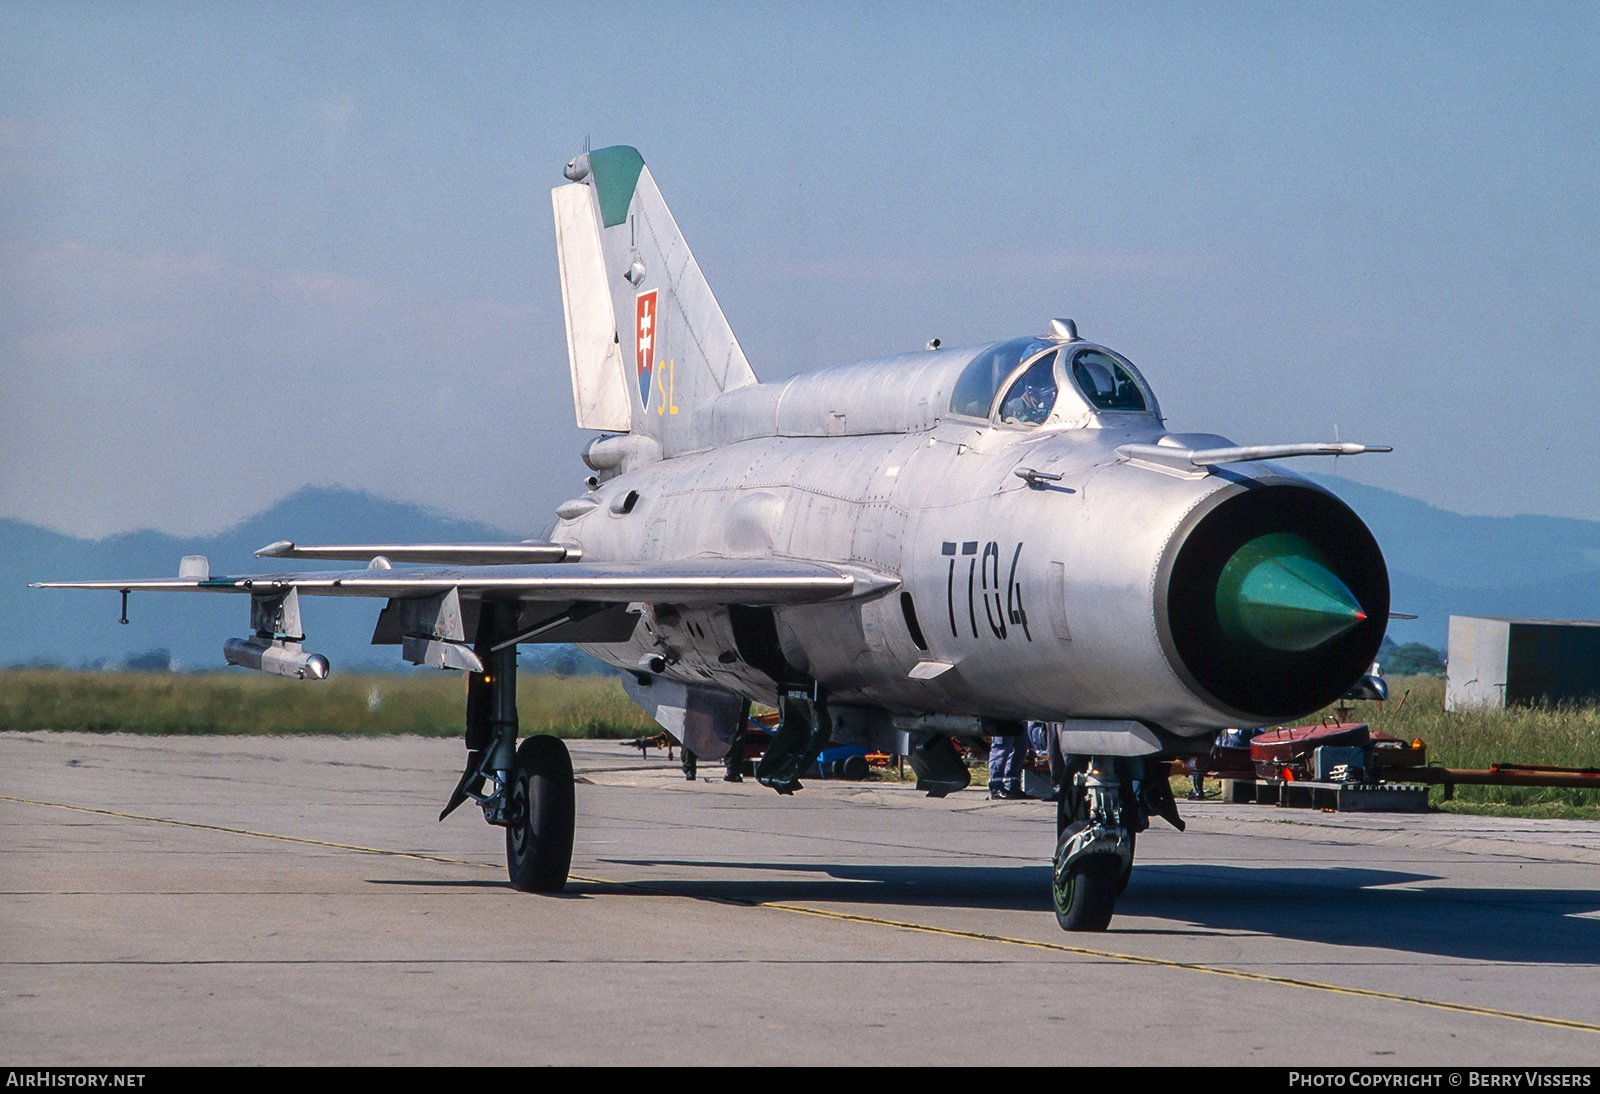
1278,590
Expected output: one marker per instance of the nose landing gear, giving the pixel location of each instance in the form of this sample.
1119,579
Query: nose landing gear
1088,864
1094,841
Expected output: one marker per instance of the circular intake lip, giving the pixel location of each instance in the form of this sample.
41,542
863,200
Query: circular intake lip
1245,680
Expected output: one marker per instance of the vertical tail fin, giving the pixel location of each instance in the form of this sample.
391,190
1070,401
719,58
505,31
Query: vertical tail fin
648,343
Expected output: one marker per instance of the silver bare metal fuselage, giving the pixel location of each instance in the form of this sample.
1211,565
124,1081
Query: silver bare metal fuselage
1042,597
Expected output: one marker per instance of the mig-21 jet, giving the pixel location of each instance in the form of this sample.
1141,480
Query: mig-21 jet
897,553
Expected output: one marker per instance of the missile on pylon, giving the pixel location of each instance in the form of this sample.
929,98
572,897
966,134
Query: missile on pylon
281,658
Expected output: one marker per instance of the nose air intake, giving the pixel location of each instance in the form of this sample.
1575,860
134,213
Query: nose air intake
1273,600
1277,590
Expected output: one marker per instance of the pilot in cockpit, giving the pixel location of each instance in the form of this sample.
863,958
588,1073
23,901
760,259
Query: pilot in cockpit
1032,396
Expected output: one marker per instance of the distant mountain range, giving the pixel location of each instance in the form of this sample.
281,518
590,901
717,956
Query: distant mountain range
1440,563
1443,563
79,628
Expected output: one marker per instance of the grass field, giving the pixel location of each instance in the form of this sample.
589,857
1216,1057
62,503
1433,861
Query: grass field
1562,736
431,704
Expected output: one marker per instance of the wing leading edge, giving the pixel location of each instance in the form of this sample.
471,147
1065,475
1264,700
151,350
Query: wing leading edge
444,554
759,582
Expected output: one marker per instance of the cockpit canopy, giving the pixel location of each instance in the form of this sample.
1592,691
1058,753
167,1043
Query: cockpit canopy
1043,379
1105,382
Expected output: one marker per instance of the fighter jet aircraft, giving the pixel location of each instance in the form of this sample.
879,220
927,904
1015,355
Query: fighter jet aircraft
898,552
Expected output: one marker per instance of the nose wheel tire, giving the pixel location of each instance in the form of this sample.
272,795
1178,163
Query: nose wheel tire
1085,892
542,817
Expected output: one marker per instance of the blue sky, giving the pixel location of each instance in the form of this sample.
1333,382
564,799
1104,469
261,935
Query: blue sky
248,247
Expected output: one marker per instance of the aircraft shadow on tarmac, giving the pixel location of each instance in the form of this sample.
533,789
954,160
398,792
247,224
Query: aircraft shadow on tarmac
1356,906
433,883
1341,905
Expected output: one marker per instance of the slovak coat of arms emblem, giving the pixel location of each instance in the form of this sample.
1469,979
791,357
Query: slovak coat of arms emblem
647,332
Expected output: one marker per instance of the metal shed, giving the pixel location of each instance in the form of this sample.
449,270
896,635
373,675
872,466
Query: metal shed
1496,661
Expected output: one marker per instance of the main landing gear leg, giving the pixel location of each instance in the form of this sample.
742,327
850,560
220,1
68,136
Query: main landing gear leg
527,790
1094,848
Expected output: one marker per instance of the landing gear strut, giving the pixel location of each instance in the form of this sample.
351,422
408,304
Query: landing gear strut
526,790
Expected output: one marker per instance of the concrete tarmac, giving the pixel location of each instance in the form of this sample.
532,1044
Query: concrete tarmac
231,900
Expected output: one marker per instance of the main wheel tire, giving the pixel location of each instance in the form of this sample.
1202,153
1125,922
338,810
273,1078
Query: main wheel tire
1085,894
1125,874
543,816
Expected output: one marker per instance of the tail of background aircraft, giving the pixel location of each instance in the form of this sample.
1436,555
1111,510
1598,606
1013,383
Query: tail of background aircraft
625,269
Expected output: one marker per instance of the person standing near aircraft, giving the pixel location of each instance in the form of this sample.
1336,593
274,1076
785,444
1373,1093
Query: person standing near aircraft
1006,757
1042,738
734,762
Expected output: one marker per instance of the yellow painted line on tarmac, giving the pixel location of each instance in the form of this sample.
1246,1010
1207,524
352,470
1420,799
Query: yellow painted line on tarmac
875,921
1214,970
